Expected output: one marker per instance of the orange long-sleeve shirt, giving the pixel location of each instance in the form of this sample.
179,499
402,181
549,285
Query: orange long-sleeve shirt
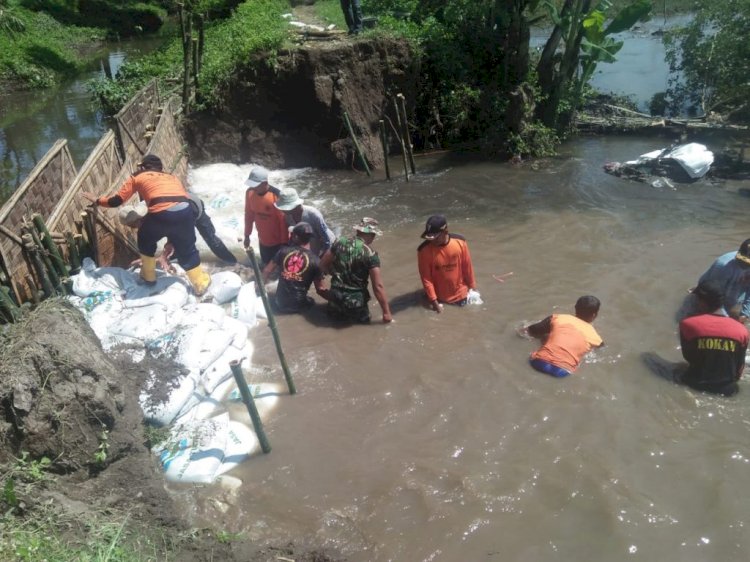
446,271
149,185
270,222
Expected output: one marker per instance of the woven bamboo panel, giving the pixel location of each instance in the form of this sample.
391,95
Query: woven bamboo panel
167,143
137,119
53,188
39,193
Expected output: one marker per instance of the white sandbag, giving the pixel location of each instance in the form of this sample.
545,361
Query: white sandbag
239,329
145,323
219,370
174,296
265,395
244,308
201,345
194,450
181,398
473,297
224,286
241,443
204,312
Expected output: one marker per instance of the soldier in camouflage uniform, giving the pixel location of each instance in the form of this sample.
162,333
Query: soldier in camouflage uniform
352,264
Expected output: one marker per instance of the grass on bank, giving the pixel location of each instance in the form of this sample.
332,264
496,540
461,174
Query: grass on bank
43,51
255,27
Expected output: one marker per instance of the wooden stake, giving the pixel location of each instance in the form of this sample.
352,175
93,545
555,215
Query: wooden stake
356,143
406,133
247,398
401,139
271,320
384,142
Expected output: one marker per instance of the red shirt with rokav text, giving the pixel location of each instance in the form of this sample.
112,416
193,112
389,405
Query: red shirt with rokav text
149,185
270,222
446,271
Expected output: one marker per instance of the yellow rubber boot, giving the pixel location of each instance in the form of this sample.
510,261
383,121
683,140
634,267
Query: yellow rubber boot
148,269
199,279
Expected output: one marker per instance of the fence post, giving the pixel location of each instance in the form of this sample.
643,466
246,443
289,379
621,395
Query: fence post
247,398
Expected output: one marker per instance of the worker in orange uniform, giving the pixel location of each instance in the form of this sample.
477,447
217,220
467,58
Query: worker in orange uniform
260,211
170,215
444,265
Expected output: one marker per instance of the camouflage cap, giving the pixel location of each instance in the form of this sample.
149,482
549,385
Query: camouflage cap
368,226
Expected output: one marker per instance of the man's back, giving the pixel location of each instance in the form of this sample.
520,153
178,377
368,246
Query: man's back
298,267
569,339
352,261
714,346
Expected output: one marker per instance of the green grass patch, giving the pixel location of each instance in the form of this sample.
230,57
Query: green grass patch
329,11
44,51
256,26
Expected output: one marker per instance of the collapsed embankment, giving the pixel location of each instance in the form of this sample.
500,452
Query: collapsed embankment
288,111
76,473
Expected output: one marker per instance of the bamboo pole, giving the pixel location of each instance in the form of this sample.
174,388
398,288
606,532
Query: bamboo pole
384,142
406,134
400,137
74,257
271,320
32,251
247,398
48,244
34,288
8,309
356,143
89,226
51,271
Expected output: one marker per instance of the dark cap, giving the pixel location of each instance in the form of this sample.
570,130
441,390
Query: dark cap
710,292
435,225
151,162
743,254
302,229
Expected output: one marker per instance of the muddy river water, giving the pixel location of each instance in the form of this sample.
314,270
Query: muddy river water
432,439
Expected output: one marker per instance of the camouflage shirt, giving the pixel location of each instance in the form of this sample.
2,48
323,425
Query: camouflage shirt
352,262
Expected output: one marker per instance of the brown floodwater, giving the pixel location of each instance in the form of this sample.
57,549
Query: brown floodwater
432,439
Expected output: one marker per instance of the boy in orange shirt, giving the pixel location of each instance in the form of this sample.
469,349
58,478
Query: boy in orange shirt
566,338
444,265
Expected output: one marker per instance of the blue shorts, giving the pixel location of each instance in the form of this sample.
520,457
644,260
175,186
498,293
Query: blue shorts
548,368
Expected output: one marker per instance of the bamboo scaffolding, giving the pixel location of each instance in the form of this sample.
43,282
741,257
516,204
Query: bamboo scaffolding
32,251
49,245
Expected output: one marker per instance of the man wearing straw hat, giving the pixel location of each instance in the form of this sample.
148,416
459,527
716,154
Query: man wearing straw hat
169,215
352,264
295,212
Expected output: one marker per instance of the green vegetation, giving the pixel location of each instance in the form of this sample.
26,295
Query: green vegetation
711,55
36,50
255,26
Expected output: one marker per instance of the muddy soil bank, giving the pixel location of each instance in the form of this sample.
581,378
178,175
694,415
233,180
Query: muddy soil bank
288,112
62,398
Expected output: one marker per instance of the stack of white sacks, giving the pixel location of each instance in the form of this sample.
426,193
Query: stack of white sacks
166,321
